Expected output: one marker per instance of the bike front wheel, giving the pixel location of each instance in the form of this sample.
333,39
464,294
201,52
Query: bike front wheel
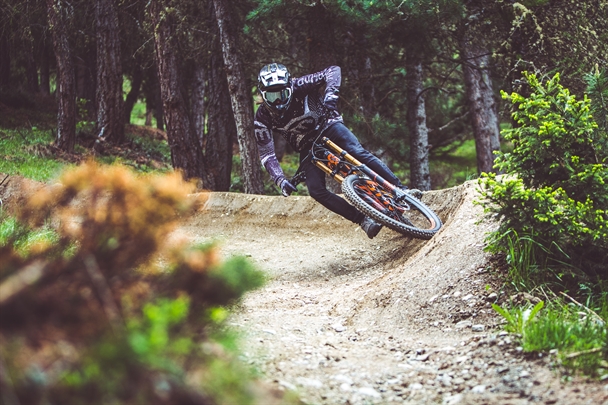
408,216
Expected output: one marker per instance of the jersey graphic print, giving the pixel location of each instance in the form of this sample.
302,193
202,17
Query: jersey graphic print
301,130
313,109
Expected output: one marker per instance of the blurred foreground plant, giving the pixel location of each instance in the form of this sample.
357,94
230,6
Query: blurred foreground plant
105,308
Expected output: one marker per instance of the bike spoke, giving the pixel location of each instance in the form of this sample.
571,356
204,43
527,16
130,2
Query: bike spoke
385,202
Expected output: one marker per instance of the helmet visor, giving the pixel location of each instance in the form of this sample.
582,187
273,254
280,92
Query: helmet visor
277,97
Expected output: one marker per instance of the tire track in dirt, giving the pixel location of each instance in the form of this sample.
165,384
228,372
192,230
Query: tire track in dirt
349,320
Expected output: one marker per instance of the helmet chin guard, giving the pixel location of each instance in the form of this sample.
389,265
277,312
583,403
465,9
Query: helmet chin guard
275,86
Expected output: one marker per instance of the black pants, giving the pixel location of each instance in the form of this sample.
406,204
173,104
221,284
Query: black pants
315,177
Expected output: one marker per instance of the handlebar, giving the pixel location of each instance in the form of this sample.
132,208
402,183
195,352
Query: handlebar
298,178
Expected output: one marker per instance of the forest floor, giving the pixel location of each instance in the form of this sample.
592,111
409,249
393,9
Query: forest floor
394,320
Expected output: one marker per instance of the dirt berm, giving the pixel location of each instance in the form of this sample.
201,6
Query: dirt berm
393,320
348,320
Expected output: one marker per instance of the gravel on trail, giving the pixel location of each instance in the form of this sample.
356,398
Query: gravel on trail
394,320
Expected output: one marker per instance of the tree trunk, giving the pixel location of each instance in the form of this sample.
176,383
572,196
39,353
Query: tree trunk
58,15
186,153
482,105
198,106
30,64
154,104
110,113
44,57
420,177
5,61
240,95
321,53
136,80
321,49
359,67
157,111
222,131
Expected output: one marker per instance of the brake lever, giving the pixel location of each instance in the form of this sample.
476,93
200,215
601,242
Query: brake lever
399,195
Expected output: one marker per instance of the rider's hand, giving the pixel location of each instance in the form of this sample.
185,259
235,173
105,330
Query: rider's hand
287,188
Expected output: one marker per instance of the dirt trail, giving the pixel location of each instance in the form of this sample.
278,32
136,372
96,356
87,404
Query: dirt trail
393,320
348,320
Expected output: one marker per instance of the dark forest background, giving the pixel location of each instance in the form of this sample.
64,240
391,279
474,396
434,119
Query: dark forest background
420,78
99,306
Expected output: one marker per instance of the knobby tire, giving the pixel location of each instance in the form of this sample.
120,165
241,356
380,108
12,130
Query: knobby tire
375,202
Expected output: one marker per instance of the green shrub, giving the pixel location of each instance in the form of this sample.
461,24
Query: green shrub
597,88
555,184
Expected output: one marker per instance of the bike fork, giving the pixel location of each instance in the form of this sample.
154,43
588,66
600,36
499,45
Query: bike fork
360,166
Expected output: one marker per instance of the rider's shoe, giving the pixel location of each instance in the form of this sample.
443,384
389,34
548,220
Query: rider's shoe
414,192
370,227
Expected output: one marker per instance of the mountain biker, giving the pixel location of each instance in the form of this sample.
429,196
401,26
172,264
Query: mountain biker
300,109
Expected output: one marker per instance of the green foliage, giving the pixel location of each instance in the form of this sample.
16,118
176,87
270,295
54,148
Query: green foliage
454,166
235,277
156,152
524,272
11,230
552,201
26,152
30,153
149,337
555,191
150,344
555,141
20,242
520,318
24,239
580,338
597,88
138,115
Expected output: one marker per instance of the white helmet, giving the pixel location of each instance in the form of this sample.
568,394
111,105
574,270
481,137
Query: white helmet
275,86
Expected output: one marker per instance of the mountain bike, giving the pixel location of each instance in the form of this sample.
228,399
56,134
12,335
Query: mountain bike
371,194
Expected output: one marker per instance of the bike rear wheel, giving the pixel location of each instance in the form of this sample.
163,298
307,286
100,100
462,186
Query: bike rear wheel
408,216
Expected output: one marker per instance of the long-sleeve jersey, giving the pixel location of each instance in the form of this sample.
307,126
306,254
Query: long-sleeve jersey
313,108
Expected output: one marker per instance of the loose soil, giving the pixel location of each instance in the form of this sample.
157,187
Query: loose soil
394,320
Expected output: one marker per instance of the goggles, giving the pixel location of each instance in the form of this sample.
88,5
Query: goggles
277,97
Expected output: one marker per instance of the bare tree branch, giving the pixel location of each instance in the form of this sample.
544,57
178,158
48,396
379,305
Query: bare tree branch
24,278
104,293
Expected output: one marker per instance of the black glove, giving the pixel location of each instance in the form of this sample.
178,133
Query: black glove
287,188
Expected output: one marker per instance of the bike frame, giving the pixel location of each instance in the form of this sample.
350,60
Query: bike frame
341,165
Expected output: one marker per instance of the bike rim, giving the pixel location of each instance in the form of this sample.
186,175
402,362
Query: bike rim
384,202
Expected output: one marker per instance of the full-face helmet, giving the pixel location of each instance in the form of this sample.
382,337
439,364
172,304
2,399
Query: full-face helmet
275,86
